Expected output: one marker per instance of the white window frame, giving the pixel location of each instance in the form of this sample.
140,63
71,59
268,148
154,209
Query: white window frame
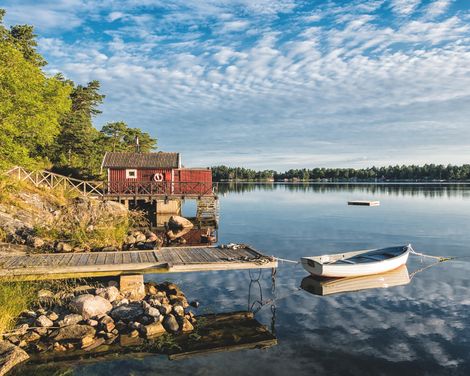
128,173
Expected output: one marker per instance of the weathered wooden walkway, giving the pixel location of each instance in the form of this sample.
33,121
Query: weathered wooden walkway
99,264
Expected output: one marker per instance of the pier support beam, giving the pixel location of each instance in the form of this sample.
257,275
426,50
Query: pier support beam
132,286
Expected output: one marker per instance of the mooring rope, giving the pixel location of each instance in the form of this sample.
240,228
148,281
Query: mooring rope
440,258
285,260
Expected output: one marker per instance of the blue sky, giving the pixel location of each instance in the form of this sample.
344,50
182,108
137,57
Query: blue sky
272,83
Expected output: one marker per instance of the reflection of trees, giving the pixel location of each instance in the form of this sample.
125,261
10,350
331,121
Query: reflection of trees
392,189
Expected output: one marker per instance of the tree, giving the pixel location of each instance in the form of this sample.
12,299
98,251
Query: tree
31,106
77,150
118,136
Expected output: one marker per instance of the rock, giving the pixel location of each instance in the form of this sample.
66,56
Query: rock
107,323
134,334
21,329
139,237
154,303
31,336
96,343
187,326
63,247
195,304
165,309
121,326
151,290
129,239
152,311
153,330
180,300
113,284
127,312
90,306
170,324
35,242
44,321
58,347
15,340
179,310
92,322
29,314
70,319
109,293
87,341
118,303
10,356
74,332
53,316
41,331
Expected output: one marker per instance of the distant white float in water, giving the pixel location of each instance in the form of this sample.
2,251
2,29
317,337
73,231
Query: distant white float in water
357,263
364,203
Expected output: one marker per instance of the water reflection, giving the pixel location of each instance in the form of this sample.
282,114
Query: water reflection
327,286
428,190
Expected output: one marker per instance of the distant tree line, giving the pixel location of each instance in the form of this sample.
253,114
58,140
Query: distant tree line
46,122
428,172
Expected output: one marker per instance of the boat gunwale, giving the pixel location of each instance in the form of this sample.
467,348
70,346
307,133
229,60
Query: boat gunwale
333,258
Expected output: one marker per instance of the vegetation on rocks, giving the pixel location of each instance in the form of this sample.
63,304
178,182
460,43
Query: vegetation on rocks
51,219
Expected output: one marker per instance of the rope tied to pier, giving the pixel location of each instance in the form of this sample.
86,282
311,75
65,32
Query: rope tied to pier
285,260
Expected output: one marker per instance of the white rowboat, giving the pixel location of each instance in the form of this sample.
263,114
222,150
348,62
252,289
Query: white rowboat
357,263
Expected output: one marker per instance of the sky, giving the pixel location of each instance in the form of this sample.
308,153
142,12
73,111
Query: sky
272,84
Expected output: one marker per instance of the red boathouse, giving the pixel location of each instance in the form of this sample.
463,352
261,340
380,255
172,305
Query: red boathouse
154,174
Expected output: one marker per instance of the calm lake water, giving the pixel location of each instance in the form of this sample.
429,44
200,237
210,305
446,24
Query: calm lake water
422,328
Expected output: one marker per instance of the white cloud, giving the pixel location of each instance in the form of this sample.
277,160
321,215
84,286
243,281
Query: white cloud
279,82
438,7
404,7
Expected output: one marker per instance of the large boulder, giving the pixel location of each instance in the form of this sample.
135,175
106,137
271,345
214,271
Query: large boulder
90,306
170,324
75,332
10,356
127,312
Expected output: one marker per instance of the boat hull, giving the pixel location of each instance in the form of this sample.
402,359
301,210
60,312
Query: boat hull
315,267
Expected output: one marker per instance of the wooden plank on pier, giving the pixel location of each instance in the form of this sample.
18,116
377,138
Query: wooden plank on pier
167,259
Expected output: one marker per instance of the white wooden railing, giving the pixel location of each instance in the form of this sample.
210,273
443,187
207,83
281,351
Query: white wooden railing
52,180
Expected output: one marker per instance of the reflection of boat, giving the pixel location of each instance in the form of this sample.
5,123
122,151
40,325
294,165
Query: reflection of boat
350,264
328,286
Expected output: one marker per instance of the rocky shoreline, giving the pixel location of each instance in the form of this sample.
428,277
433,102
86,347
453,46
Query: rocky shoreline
88,316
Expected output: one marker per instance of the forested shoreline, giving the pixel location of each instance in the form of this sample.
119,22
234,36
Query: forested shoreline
46,121
427,172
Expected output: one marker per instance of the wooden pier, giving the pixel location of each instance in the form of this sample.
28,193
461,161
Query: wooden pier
101,264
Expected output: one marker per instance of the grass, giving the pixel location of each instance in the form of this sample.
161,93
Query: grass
15,297
18,296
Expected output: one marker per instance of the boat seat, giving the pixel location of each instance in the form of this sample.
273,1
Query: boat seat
344,261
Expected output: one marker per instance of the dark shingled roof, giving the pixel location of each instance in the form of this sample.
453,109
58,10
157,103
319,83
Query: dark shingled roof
140,160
